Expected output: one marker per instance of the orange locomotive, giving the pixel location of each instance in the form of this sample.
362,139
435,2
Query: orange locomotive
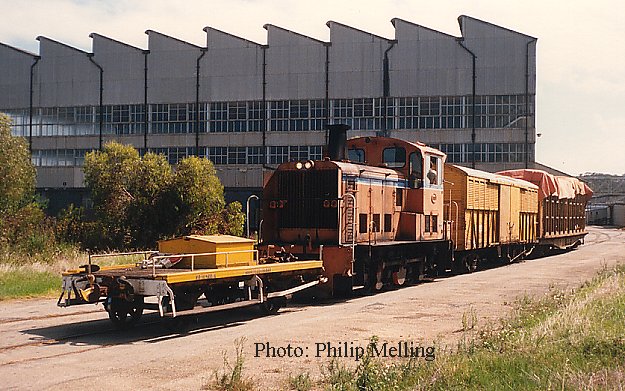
386,212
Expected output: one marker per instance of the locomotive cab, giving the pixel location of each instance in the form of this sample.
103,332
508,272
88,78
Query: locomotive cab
421,198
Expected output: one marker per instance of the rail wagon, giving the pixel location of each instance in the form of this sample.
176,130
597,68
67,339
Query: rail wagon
562,207
225,270
493,216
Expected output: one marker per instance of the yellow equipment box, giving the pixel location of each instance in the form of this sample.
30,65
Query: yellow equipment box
231,251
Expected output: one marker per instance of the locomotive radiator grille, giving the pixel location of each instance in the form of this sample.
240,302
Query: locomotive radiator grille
305,192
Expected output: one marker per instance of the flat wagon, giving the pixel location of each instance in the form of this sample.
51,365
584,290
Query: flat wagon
171,281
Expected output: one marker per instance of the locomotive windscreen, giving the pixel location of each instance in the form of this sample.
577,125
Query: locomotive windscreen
309,195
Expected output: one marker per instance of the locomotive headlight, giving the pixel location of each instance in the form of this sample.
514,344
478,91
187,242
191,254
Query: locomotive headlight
299,165
309,164
330,203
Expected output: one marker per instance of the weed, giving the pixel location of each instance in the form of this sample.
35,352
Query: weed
300,382
232,378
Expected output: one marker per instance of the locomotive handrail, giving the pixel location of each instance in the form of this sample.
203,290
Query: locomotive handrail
91,256
193,255
247,213
353,245
456,222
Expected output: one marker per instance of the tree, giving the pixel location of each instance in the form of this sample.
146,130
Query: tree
139,200
17,187
23,225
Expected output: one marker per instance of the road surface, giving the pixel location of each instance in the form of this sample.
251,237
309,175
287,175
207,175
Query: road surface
45,347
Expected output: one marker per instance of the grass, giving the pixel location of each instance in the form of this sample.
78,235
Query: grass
565,340
23,275
21,283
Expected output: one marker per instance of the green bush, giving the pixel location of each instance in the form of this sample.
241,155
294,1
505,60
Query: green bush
139,200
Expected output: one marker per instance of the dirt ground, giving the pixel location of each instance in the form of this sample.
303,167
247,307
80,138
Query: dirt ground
45,347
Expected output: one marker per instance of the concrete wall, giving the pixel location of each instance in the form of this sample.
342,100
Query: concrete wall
232,69
171,69
15,77
618,215
295,65
66,76
422,62
123,70
426,62
501,57
356,62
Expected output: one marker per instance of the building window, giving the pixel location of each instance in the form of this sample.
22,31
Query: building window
278,155
299,114
236,155
255,155
408,112
218,119
317,114
237,117
363,115
343,111
279,116
218,155
255,116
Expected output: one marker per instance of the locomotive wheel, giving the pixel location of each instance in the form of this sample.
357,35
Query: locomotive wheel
378,283
124,314
399,276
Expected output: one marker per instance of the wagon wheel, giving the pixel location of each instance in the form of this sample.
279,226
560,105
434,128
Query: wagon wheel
471,263
272,306
123,313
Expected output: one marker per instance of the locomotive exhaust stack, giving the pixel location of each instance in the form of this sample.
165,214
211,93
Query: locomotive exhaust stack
337,141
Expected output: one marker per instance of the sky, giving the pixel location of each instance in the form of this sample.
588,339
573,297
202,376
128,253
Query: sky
580,113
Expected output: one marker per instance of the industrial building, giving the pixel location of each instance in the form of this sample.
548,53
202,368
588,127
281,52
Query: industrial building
249,106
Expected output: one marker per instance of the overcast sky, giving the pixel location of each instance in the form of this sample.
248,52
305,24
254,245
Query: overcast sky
580,52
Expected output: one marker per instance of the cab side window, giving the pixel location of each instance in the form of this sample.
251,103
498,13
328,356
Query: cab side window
356,155
434,171
394,157
415,176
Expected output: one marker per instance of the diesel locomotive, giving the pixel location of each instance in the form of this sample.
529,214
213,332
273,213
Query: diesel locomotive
382,212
